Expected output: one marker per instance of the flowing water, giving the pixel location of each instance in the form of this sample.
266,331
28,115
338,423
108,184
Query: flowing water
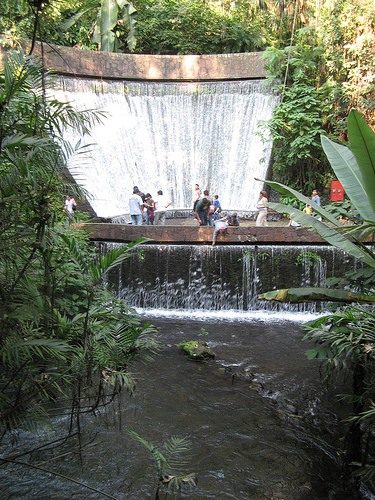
260,424
223,278
170,136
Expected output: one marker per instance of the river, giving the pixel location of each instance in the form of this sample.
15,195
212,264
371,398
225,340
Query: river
261,425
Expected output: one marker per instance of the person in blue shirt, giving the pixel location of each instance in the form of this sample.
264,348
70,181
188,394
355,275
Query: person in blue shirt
220,227
316,199
135,207
217,204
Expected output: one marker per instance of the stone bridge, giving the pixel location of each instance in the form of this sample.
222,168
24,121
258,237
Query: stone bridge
173,235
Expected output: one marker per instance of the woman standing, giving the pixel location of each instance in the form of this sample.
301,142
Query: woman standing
196,195
262,210
69,206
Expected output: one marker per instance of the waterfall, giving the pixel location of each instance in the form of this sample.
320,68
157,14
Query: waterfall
170,136
224,278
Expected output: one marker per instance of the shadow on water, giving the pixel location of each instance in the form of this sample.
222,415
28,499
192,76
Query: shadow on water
260,424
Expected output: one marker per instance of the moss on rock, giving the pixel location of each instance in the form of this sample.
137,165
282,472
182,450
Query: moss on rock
197,349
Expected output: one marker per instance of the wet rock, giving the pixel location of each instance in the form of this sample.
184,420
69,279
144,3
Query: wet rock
197,350
239,374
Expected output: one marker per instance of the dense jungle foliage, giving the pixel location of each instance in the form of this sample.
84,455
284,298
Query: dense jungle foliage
65,341
344,337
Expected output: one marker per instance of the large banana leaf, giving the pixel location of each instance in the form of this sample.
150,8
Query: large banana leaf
285,190
108,20
296,295
332,235
362,143
355,168
86,7
130,14
347,170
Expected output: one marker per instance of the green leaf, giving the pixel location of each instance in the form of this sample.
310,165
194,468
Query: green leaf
286,191
362,143
333,235
72,20
347,170
319,353
129,16
108,20
159,458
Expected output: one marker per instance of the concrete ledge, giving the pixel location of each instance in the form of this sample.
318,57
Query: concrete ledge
92,64
175,235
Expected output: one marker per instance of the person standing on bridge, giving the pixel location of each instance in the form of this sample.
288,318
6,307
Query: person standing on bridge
149,204
196,196
262,209
135,207
217,204
316,199
161,205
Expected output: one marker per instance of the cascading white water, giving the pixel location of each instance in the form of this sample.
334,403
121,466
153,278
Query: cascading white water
224,278
170,136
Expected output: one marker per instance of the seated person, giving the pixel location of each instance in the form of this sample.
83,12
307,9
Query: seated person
220,226
233,220
307,209
293,223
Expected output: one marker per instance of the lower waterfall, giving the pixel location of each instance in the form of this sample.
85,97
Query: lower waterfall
225,278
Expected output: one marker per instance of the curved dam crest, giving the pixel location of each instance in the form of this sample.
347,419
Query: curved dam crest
81,63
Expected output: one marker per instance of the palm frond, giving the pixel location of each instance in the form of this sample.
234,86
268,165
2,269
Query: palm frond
177,453
120,380
159,458
15,352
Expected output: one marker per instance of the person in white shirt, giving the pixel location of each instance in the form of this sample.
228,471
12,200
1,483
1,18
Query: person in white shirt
70,202
69,207
196,196
262,210
161,205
